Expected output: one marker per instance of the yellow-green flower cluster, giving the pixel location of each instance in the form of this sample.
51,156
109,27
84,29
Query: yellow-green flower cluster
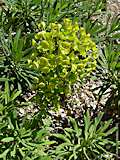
64,54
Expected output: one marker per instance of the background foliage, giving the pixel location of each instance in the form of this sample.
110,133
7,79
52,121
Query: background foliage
41,57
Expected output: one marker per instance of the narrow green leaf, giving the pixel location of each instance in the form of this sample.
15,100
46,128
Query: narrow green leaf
15,95
87,124
10,123
21,152
13,152
98,119
111,131
62,137
74,124
7,92
7,139
4,154
104,126
84,150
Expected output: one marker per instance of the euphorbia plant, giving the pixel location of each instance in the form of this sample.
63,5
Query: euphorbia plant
87,142
63,54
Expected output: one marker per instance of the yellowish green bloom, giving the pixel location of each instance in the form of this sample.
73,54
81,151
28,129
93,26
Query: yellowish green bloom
64,54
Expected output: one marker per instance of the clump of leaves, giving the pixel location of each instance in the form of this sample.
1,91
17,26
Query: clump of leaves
25,13
18,142
105,30
64,54
17,139
108,71
13,62
20,14
89,141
